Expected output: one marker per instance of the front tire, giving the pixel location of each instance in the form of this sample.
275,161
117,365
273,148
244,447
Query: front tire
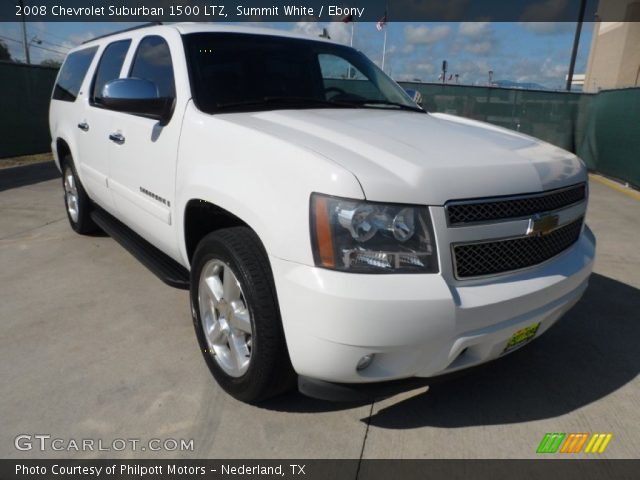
76,200
236,316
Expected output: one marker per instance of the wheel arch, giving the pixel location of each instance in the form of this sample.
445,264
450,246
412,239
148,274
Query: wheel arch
62,150
202,217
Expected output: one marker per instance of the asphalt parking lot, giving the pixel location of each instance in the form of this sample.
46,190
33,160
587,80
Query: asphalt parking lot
92,345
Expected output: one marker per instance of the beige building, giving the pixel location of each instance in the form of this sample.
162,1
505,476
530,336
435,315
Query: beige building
614,58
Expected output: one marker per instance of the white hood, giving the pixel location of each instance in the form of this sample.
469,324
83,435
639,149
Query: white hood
409,157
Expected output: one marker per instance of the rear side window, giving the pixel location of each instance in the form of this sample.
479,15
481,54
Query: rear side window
109,67
153,62
72,74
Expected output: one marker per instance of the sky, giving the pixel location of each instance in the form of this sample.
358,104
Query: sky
520,52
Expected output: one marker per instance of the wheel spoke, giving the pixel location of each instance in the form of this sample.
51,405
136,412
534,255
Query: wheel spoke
214,333
231,289
239,351
214,288
240,318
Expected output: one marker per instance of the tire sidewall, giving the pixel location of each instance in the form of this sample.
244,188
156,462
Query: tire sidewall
245,386
68,166
84,224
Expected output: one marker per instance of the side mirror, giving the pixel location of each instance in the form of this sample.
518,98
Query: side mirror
415,95
137,97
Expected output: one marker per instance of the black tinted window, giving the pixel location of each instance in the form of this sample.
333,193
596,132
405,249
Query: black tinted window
110,66
153,62
243,71
72,73
228,68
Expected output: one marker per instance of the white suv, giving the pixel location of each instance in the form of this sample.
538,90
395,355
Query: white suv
329,229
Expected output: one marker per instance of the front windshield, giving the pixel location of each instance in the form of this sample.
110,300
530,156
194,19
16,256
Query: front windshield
247,72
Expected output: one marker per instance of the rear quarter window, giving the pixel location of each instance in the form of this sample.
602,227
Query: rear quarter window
72,74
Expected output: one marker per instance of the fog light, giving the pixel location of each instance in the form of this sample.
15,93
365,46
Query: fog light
365,361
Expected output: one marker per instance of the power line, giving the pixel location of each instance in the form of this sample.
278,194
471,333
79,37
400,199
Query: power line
54,44
44,32
11,39
34,46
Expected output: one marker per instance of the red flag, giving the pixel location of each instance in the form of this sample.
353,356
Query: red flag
382,22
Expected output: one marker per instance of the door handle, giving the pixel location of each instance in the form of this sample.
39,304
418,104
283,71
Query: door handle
117,138
84,126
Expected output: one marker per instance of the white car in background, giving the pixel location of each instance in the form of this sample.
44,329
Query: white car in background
329,229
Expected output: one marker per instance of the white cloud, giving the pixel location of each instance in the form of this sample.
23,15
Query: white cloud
426,35
408,48
77,38
470,71
474,29
338,31
425,67
312,29
482,47
549,71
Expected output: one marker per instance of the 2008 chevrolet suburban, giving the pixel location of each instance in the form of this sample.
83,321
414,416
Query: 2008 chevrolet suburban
329,229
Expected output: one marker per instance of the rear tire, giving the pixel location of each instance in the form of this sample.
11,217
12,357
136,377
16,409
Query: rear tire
76,201
236,316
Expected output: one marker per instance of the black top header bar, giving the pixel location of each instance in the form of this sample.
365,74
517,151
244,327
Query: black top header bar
316,10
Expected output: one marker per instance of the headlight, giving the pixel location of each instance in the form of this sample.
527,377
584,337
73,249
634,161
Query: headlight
369,237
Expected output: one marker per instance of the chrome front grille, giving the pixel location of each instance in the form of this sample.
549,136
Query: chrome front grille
460,213
498,256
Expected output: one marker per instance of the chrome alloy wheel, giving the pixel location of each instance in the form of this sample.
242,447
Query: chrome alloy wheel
71,194
226,320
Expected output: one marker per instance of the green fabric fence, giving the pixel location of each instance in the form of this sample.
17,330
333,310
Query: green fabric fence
556,117
603,128
24,108
611,142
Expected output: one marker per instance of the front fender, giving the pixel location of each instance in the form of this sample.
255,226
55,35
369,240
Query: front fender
264,180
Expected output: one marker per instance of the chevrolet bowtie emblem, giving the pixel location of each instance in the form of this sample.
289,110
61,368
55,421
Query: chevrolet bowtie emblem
542,224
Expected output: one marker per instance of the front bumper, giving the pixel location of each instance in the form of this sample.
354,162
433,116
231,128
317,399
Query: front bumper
418,325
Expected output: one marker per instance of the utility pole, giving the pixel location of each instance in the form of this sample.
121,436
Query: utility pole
24,35
576,42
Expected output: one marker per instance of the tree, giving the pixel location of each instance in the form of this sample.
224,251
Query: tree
50,62
5,56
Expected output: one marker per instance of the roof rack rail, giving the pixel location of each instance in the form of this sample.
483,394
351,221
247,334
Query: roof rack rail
137,27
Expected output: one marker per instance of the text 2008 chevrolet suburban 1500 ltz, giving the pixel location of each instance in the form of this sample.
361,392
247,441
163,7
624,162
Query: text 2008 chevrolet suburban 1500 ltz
330,230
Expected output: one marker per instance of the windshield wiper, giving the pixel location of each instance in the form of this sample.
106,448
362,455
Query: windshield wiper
284,101
370,102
